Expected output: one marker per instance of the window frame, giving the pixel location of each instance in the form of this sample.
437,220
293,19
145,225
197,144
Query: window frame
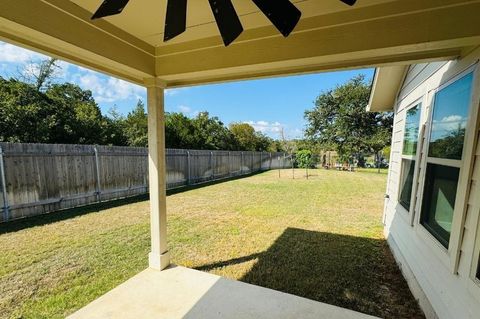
475,266
417,103
450,256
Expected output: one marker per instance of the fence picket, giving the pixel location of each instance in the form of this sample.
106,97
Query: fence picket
41,178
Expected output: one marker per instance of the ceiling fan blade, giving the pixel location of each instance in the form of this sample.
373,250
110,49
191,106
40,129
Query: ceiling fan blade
176,19
282,13
349,2
227,20
110,8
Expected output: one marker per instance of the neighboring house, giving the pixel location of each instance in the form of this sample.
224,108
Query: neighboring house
433,194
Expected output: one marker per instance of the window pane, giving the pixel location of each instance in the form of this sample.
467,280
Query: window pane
439,200
450,115
412,126
406,185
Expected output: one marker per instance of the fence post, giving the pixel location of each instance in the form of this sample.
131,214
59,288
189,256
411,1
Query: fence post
188,168
229,165
212,165
270,165
241,163
97,169
6,211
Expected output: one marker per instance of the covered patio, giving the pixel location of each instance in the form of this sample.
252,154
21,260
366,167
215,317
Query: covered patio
179,292
329,36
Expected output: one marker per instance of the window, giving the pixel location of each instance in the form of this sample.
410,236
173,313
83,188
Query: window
412,126
447,134
439,200
450,119
406,186
409,154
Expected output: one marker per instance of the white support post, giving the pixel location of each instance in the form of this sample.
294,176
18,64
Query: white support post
159,257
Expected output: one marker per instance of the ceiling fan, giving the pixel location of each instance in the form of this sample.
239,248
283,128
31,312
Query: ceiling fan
283,14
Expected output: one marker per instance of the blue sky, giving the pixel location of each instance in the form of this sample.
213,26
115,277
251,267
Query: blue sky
267,104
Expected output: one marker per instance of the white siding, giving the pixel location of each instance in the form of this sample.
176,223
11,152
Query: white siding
426,265
417,74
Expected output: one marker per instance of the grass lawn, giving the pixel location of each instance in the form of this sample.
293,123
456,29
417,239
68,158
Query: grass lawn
319,238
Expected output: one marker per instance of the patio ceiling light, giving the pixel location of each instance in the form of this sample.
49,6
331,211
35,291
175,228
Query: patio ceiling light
282,13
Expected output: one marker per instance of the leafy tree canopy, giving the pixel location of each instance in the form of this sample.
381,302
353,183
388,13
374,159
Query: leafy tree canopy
304,159
339,121
37,109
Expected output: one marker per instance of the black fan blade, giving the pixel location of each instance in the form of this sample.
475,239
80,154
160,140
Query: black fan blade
349,2
176,19
227,20
282,13
110,8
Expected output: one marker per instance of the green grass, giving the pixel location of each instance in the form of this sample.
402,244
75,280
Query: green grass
319,238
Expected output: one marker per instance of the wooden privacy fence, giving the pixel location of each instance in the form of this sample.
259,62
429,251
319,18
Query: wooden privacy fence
41,178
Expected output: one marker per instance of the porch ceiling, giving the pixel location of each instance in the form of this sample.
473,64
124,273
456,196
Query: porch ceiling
329,36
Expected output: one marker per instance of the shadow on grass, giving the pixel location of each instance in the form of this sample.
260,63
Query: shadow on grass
350,272
53,217
210,183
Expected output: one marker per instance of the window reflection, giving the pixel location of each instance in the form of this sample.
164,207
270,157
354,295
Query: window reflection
450,117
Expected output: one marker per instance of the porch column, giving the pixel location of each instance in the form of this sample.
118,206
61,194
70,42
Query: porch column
159,257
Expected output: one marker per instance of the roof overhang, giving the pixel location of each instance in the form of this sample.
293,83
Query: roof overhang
385,86
330,36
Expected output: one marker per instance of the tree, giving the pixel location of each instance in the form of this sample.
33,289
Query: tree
450,145
40,74
179,131
339,121
304,159
245,136
264,143
136,126
115,128
211,134
79,119
64,113
25,113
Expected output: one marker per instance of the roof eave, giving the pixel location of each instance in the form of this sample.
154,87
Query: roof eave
386,83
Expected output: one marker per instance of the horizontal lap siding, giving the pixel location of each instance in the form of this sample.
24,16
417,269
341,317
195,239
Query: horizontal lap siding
472,214
451,295
417,74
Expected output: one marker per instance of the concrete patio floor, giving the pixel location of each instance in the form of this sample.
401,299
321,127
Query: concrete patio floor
179,292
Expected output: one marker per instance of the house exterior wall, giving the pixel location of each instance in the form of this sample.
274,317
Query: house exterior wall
443,280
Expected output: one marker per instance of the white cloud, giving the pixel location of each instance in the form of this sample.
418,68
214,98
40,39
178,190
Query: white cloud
13,54
274,129
62,70
108,89
449,123
185,109
265,126
172,92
